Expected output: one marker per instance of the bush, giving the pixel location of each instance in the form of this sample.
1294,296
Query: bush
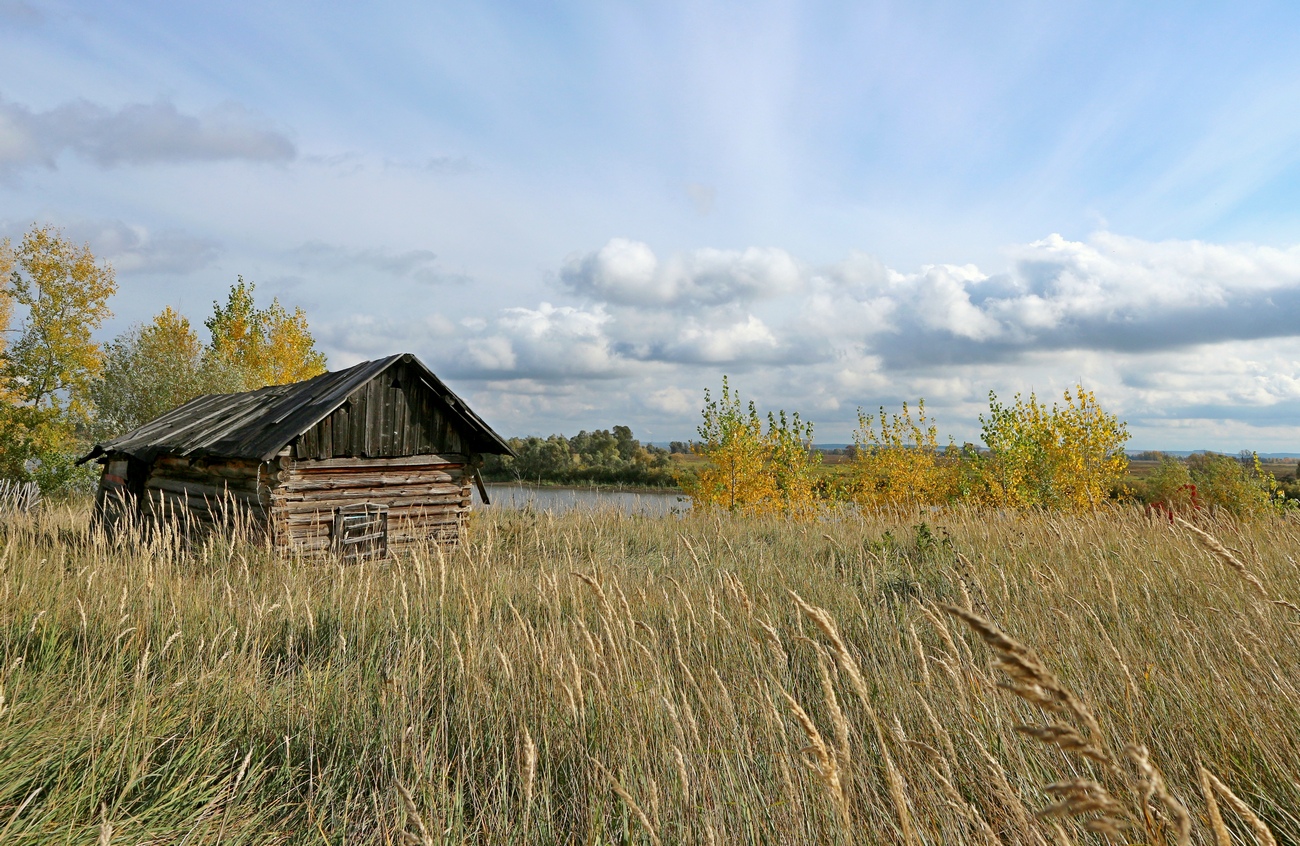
902,464
751,470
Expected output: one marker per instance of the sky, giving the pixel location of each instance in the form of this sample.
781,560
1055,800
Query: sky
585,214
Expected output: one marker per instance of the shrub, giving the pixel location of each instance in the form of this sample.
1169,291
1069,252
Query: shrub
752,471
1067,457
901,463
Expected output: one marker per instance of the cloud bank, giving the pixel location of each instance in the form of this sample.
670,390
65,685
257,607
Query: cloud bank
1166,332
136,134
1109,293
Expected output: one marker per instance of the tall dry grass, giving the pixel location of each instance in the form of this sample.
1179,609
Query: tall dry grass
606,678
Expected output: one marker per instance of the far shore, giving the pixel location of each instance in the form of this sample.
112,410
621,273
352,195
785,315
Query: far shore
578,486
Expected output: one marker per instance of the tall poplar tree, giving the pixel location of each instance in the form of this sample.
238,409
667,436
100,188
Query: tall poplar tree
46,370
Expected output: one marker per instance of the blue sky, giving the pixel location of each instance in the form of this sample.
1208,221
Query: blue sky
584,214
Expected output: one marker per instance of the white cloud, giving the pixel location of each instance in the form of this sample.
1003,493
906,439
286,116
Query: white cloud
672,401
1163,331
548,342
628,273
745,340
1108,293
136,134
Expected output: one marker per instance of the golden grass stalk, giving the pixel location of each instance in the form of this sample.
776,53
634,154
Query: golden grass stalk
529,766
1221,836
105,827
1221,552
1152,787
630,802
422,836
1079,797
1030,678
893,778
821,760
1257,826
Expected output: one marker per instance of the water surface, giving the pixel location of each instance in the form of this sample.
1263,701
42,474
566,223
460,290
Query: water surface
558,500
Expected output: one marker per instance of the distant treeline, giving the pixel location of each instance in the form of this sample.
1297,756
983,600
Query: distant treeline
604,457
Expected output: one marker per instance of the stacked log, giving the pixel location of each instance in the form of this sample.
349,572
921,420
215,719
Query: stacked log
208,494
427,498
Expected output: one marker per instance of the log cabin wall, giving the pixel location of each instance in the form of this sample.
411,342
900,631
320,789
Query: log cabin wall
427,497
208,493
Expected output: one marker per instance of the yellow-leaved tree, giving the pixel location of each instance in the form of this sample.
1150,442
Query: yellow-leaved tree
149,369
1067,457
792,463
900,463
253,347
61,293
750,470
6,309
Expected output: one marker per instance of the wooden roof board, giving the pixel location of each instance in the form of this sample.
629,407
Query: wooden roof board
258,424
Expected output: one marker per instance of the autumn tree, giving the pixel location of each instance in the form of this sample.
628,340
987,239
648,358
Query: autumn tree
47,370
149,369
6,311
1067,457
793,462
253,347
897,461
751,470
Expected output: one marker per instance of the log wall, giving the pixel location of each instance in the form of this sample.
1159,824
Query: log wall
427,496
208,493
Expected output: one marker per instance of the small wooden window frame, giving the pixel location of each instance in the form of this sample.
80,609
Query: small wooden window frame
360,532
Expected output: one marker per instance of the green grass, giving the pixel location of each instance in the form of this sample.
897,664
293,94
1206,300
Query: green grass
221,695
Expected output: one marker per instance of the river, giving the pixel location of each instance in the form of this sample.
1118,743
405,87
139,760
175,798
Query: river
556,500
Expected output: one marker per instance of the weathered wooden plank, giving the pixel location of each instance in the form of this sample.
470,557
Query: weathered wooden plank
444,461
200,490
400,477
307,511
395,513
375,494
374,417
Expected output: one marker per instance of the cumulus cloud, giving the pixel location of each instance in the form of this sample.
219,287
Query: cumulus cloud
1194,344
1108,293
136,134
546,343
626,272
417,265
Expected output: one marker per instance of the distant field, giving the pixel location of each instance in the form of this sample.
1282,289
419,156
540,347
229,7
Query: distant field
599,678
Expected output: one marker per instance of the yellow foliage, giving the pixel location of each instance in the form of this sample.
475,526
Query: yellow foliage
1067,457
901,463
6,307
64,294
46,373
752,471
149,370
259,347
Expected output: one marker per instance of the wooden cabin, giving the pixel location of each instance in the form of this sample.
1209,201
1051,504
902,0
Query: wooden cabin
356,462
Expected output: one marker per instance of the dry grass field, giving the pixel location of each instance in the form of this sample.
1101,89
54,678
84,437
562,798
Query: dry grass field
598,678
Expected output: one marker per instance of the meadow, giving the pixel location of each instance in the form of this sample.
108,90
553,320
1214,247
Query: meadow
907,677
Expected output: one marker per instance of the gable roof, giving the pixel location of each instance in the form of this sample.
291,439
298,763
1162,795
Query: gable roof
258,424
